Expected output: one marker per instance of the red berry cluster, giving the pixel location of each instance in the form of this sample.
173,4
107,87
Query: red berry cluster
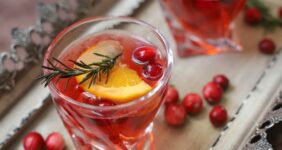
146,55
175,112
35,141
253,16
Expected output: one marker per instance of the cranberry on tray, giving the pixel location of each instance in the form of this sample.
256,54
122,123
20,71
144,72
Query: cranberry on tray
222,80
218,116
212,92
192,103
171,96
33,141
55,141
175,114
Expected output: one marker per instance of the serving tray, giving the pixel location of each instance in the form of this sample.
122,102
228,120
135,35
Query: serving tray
255,86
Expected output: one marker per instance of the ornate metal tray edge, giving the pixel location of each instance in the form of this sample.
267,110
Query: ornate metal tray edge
35,39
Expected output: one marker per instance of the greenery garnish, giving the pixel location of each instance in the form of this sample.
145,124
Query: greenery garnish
269,22
93,70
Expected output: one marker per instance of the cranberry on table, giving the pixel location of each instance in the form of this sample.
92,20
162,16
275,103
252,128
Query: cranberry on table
144,54
33,141
280,12
153,71
175,114
212,92
222,80
218,116
55,141
252,16
267,46
192,103
171,96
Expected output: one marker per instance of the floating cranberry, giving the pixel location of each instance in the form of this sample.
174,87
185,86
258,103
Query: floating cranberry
222,80
172,95
175,114
144,54
267,46
33,141
212,92
218,115
192,103
252,16
55,141
153,71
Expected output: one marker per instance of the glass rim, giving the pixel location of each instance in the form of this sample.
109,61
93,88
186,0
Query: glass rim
146,97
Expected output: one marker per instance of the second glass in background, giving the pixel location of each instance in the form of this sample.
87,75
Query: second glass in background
203,26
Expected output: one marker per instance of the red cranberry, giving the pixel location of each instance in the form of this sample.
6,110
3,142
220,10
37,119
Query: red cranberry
175,114
33,141
280,12
55,141
212,92
144,54
252,16
222,80
153,71
192,103
172,95
218,115
267,46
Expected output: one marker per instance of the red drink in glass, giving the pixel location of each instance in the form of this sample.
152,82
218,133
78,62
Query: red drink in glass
203,26
97,122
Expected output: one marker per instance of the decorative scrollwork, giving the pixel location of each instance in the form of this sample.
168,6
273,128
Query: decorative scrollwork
51,19
258,140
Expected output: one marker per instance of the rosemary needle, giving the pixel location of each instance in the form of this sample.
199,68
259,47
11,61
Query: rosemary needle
92,71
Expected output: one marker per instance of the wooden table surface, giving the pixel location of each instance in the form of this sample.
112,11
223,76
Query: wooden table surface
245,71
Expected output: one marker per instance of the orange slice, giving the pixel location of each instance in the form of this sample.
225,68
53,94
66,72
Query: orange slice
123,84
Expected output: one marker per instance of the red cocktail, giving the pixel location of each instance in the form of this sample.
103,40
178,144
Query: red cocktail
203,26
111,110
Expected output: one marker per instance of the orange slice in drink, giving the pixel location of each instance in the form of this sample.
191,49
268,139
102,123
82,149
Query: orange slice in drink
123,83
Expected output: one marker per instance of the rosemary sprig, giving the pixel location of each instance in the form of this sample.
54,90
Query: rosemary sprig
92,71
269,22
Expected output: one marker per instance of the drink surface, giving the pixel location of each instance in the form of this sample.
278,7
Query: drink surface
205,18
126,81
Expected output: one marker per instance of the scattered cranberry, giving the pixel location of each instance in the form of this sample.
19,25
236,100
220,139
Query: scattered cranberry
144,54
267,46
172,95
192,103
33,141
55,141
212,92
153,71
175,114
218,116
222,80
252,16
280,12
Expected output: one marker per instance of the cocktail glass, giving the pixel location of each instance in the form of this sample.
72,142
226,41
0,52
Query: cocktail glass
123,126
203,26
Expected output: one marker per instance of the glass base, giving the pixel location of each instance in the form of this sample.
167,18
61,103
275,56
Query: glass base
82,142
189,44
